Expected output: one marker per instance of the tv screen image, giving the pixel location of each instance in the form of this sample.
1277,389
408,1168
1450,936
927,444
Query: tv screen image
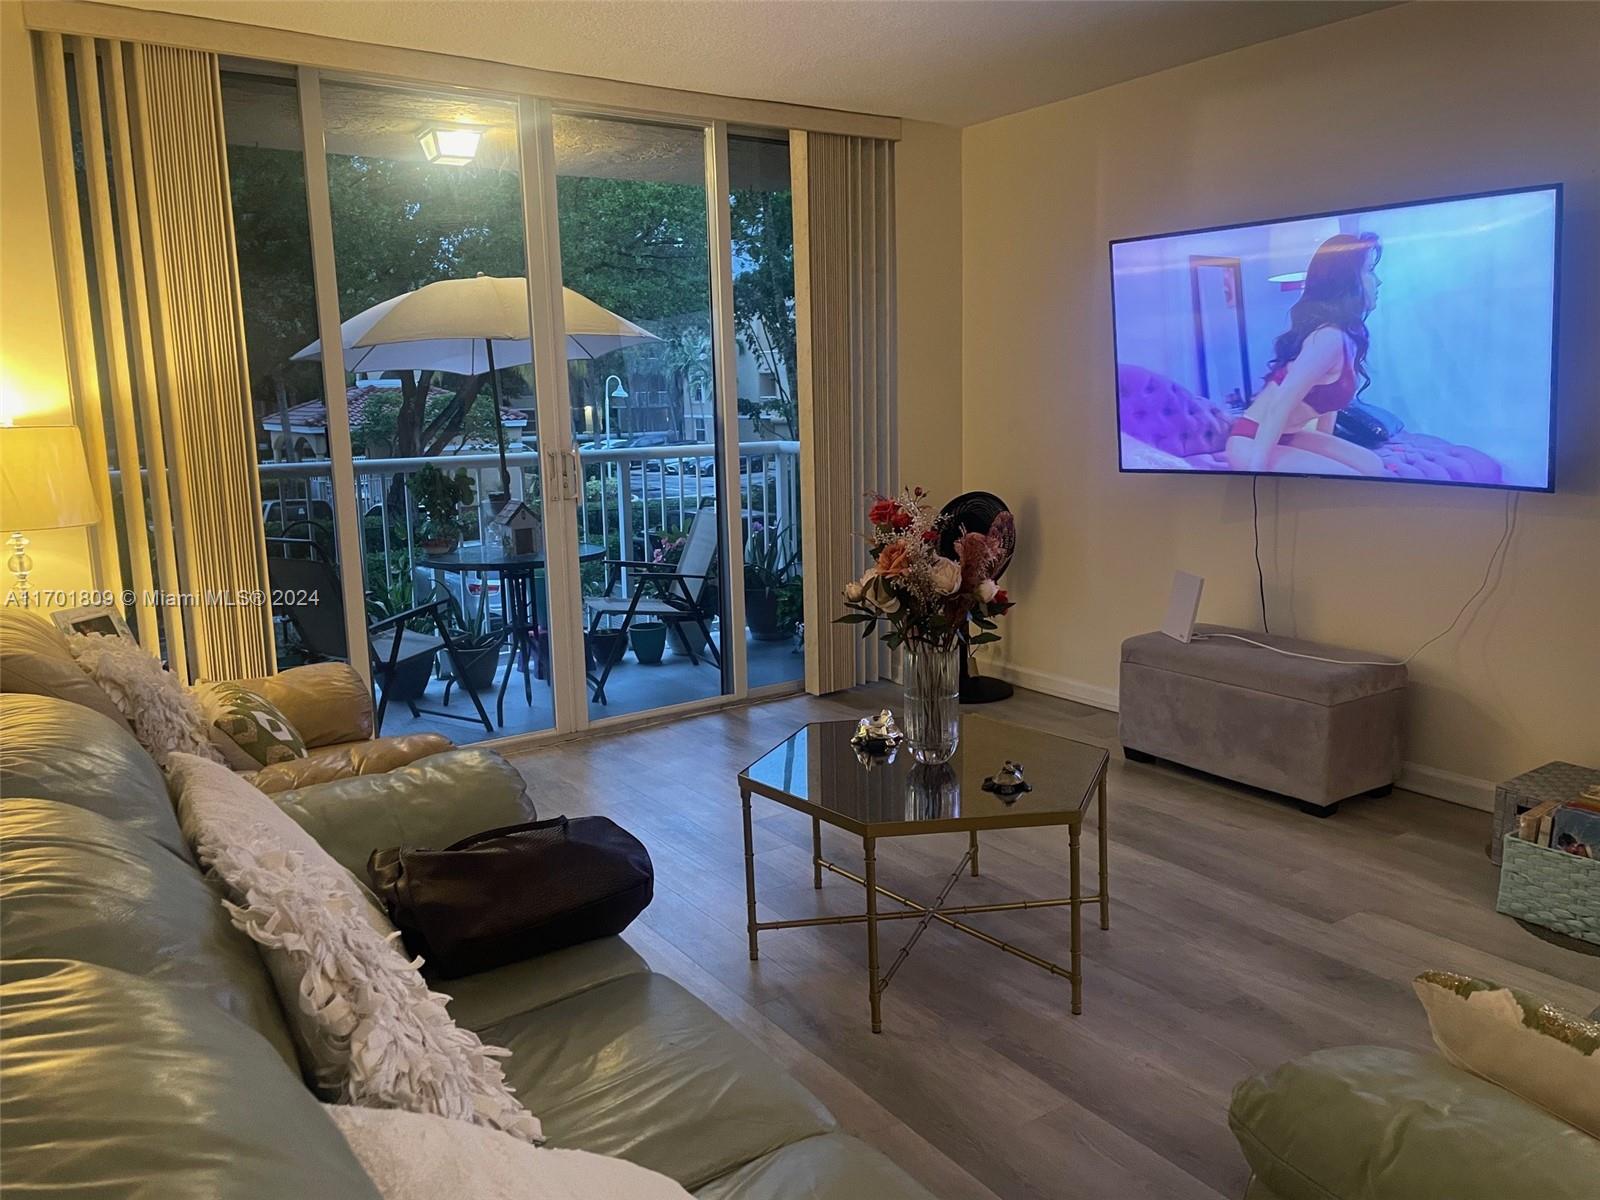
1413,342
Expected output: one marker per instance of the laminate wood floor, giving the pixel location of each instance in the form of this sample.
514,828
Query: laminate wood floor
1243,933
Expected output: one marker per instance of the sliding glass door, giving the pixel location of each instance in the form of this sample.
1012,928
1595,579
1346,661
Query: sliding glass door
425,194
521,523
636,275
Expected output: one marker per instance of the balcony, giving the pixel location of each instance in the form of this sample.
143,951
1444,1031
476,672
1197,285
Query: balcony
635,499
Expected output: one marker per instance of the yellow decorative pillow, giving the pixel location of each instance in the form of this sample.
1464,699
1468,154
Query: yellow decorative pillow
249,729
1549,1057
328,703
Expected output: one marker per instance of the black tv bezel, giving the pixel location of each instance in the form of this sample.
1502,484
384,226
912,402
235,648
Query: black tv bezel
1555,340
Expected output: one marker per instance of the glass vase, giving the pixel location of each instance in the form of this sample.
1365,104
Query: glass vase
933,701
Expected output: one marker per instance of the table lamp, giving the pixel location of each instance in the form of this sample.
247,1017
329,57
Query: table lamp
44,484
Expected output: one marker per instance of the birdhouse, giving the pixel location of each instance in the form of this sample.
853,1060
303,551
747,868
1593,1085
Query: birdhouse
517,528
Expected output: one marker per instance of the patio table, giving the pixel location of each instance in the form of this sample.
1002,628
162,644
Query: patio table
519,606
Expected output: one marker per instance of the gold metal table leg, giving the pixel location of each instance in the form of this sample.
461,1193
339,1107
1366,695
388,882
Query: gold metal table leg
749,874
974,844
871,881
1105,867
816,853
1073,836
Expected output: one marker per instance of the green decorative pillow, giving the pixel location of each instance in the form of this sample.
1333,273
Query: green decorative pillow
1547,1056
248,728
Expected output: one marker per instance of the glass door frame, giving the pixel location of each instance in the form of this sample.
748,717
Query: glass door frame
560,465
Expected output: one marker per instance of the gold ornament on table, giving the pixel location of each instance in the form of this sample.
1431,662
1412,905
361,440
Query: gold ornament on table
877,737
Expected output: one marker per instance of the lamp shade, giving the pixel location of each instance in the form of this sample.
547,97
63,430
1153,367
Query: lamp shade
44,478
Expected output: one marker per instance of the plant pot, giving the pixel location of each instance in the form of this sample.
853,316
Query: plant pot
687,638
761,615
480,663
439,543
605,646
649,641
408,680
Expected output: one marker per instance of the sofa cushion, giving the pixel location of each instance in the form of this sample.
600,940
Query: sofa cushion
327,703
35,660
325,764
1222,659
118,1087
56,750
368,1029
489,997
79,886
433,802
640,1069
1379,1124
830,1166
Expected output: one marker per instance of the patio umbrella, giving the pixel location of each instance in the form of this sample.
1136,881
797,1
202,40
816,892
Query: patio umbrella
467,327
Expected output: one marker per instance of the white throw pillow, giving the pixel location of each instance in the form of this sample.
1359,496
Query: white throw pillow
367,1028
215,806
165,717
1549,1057
415,1157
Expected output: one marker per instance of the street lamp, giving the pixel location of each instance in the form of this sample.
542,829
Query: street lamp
613,393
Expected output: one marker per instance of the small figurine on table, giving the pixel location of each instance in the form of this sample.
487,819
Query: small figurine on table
1008,783
876,738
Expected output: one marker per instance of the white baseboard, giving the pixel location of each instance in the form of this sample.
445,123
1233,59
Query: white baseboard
1414,777
1055,685
1446,785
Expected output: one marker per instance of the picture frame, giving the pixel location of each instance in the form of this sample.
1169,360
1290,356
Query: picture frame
92,618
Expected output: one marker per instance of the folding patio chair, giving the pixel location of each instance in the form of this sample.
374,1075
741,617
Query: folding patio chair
670,593
390,643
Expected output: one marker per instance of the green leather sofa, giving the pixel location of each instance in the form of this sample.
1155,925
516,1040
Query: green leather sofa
145,1055
1373,1123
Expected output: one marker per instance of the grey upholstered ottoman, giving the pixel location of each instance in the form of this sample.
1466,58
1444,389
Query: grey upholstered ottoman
1317,731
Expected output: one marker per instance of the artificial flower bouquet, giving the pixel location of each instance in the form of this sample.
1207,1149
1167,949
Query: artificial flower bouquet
925,597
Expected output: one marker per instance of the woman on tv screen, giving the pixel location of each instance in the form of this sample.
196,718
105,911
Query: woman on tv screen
1289,426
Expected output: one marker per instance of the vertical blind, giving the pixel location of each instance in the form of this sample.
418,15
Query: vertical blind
845,301
155,329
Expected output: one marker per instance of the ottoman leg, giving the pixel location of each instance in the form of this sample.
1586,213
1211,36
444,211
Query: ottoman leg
1138,756
1319,810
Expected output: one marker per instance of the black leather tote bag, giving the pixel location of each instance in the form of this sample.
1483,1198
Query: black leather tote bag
508,894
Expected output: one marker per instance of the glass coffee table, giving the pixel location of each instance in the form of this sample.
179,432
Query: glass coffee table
818,772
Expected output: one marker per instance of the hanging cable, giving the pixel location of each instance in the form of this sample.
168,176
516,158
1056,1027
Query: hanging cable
1255,522
1501,547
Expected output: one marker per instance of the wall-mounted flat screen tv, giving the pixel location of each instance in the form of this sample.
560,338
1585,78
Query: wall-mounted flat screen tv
1414,342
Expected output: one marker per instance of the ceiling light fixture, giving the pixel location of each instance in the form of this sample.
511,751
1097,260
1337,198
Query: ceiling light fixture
450,145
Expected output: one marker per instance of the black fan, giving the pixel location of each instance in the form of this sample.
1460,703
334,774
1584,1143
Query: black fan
974,512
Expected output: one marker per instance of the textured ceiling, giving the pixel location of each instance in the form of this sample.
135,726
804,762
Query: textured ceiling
953,61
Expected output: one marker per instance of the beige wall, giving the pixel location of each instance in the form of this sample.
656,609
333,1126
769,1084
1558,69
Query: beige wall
1416,101
33,367
928,250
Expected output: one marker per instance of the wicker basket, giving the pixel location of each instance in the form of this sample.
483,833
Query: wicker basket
1552,888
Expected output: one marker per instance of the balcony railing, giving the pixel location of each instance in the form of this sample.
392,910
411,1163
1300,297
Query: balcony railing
633,498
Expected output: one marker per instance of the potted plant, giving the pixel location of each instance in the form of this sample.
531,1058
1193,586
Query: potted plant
477,637
648,640
440,498
771,586
605,646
